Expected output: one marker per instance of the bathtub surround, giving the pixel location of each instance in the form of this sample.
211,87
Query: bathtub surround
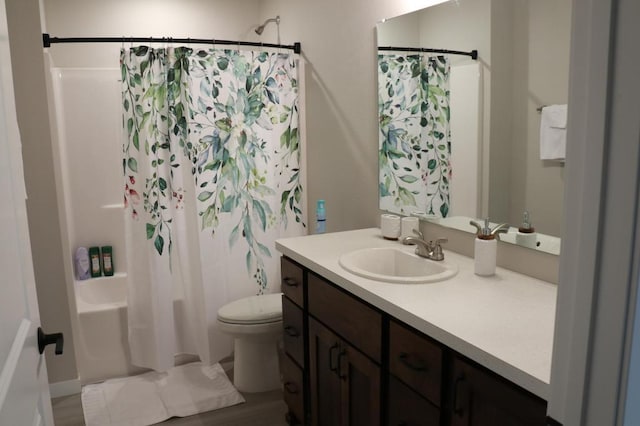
414,137
212,176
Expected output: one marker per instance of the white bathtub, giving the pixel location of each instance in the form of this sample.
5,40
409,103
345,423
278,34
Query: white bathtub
103,348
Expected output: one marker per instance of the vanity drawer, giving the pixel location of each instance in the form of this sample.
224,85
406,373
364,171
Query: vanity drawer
293,330
354,321
292,280
408,408
293,388
416,360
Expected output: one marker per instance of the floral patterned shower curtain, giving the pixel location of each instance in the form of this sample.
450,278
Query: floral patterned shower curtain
212,177
414,137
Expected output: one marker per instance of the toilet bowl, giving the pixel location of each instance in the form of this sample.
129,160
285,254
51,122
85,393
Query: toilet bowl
255,323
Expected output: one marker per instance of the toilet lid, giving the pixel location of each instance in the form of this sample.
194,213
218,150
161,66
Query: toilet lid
253,310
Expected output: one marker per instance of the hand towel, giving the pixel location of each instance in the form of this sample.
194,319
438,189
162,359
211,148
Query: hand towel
553,132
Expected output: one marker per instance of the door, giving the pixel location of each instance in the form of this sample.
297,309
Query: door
345,384
24,391
326,395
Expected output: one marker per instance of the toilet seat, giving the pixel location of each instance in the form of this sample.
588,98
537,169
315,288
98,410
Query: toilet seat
253,310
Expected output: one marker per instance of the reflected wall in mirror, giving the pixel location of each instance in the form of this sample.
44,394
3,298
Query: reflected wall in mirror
493,150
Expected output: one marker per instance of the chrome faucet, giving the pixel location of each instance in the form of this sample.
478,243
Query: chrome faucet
429,250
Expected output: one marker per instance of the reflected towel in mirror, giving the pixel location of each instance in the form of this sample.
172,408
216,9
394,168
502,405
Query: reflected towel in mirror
553,132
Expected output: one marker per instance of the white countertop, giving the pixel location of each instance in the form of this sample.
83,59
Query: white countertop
504,322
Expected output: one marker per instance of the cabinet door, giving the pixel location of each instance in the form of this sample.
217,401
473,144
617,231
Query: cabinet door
481,398
345,384
360,387
325,384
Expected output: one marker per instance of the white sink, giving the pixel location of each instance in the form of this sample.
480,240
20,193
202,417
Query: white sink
394,265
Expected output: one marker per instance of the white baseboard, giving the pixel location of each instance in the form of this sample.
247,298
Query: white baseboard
70,387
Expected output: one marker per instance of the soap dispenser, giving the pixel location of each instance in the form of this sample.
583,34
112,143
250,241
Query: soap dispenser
485,249
527,235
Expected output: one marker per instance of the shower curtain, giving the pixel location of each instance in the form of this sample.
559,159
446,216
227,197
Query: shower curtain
414,137
211,163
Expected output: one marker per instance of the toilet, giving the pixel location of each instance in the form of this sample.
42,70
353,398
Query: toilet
255,323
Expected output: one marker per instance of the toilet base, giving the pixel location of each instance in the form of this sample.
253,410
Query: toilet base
256,366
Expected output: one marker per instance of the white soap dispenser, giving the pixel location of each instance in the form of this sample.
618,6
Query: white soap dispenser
485,250
527,235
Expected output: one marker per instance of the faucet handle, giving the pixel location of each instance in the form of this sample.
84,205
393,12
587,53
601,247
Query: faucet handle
437,249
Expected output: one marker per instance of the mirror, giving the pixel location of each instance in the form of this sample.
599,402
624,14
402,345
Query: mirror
487,121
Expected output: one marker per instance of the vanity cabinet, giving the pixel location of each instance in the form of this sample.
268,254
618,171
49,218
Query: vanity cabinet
348,363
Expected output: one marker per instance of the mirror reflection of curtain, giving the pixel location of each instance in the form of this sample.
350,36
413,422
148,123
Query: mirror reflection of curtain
414,136
212,178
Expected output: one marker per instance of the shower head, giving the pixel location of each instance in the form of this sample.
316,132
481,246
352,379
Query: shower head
260,29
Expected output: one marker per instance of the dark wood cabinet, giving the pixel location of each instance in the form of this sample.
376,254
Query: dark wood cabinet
344,383
481,398
348,363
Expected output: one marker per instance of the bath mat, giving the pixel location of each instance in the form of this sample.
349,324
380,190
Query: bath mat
154,397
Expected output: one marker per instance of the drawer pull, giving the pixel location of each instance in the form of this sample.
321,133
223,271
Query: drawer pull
333,366
415,364
291,388
342,355
291,331
290,282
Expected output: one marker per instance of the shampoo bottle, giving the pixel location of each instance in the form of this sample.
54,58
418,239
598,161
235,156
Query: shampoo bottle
107,260
94,258
321,217
485,250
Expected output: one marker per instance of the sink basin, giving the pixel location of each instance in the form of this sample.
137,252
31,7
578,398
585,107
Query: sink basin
393,265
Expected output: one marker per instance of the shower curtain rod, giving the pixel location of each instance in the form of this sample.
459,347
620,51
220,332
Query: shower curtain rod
47,41
473,54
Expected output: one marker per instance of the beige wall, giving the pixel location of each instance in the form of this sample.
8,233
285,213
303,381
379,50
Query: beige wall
33,121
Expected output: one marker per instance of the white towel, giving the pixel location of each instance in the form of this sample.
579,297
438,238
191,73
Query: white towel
153,397
553,132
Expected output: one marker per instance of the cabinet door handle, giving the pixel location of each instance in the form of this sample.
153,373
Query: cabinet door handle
415,364
457,410
343,354
333,366
291,331
290,282
291,388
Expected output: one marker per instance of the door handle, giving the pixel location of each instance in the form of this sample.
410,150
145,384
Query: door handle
413,363
290,282
341,356
332,354
458,410
48,339
291,331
